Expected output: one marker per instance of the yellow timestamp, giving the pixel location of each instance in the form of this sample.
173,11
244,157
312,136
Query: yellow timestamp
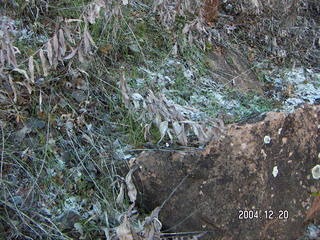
262,214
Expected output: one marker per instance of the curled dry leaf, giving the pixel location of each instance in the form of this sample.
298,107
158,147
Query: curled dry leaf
93,11
43,63
62,43
27,85
31,68
132,191
154,215
72,54
124,89
2,58
80,56
23,72
86,42
124,231
90,38
146,132
199,132
57,56
120,196
11,55
49,52
180,133
13,88
163,129
68,32
152,226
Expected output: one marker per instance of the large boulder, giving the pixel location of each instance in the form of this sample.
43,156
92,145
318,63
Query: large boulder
253,182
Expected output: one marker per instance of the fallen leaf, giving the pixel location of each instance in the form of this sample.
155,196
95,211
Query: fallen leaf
132,191
313,210
43,63
123,231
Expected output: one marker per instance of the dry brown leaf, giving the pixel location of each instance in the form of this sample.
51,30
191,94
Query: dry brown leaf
13,88
120,196
152,226
72,54
210,10
313,210
90,38
163,128
180,133
132,191
57,56
124,89
146,132
28,86
23,72
49,52
80,56
86,42
199,132
11,57
2,58
62,43
124,231
43,63
68,33
106,49
31,68
93,11
36,64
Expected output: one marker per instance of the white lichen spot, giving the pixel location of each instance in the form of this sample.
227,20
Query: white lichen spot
279,131
267,139
316,172
275,171
319,155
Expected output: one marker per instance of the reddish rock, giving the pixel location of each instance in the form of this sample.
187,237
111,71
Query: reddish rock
232,189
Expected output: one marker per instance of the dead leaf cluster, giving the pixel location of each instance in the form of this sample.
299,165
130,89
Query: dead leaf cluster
171,119
69,41
195,29
150,228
